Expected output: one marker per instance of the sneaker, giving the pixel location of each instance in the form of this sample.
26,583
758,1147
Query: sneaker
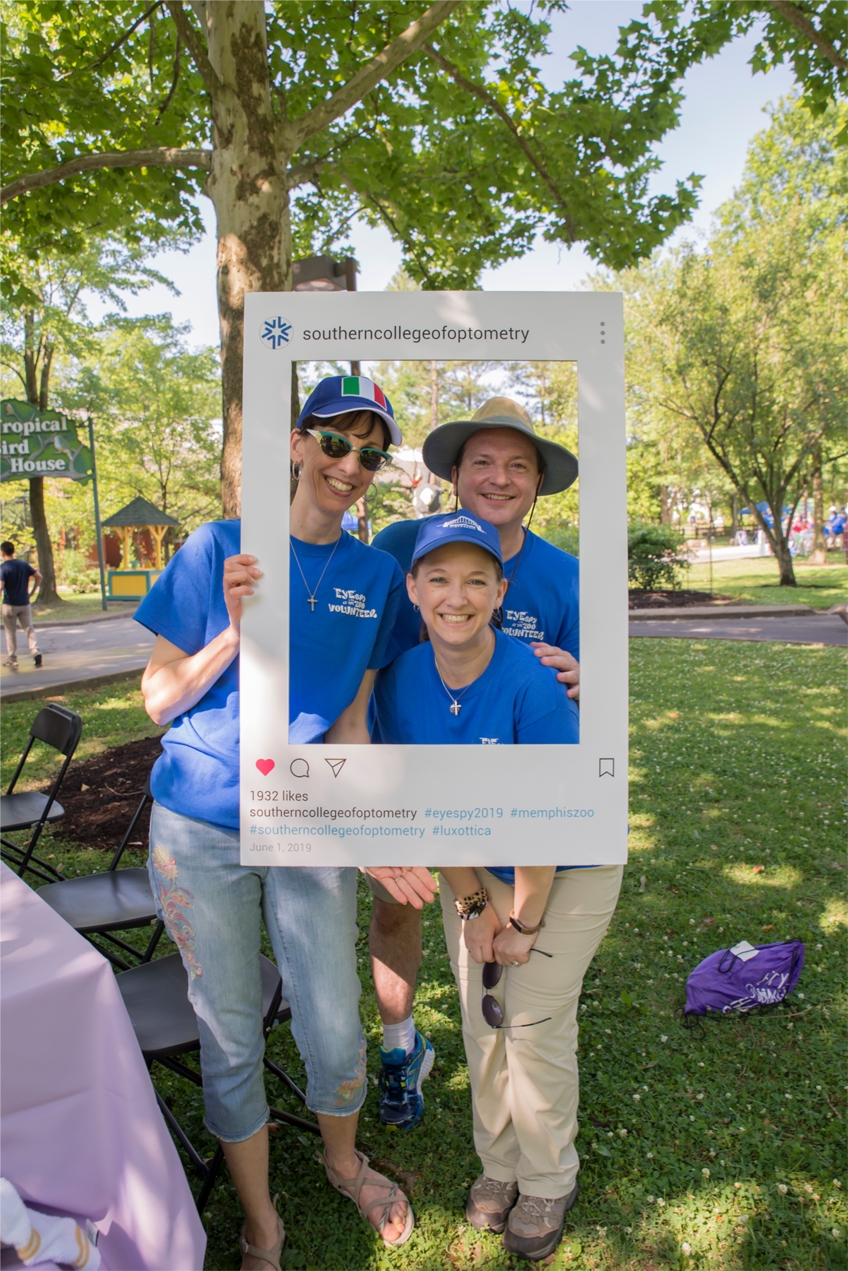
489,1203
401,1078
37,659
11,663
534,1227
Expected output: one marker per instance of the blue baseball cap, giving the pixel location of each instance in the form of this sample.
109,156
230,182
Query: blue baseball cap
456,527
350,394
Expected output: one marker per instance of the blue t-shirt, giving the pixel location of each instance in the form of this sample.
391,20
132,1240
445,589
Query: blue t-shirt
542,600
198,773
350,631
16,575
516,700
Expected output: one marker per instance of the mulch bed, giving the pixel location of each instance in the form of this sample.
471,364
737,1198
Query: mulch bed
639,599
100,795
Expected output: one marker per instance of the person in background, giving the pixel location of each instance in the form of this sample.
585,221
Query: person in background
499,468
17,604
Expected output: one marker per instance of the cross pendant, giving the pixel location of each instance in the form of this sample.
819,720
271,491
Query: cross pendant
455,709
312,602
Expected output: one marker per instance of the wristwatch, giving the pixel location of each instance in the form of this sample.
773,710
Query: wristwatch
472,906
523,928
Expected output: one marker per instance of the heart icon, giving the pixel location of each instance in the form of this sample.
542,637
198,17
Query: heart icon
265,766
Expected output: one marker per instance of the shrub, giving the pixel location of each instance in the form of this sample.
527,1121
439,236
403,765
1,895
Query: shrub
74,573
654,558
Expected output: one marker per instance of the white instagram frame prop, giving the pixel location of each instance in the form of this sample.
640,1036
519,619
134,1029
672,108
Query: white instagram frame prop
372,809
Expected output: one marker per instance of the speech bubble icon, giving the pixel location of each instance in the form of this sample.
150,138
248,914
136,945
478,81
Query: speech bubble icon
299,768
265,766
606,767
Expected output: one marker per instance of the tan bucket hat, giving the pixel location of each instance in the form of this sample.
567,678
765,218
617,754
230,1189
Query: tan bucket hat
444,443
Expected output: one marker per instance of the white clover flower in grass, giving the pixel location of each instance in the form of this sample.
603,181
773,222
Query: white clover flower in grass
650,1156
637,1097
663,1038
686,1248
661,1203
705,1172
650,1199
623,1133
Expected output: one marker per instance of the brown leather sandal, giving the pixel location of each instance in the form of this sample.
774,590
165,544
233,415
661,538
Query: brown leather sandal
271,1256
352,1187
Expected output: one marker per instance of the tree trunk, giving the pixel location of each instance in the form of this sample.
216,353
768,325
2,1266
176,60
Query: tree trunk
47,593
38,391
734,515
784,561
247,185
362,520
665,506
818,556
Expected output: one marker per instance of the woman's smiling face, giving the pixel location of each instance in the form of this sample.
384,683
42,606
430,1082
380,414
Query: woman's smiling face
334,485
456,587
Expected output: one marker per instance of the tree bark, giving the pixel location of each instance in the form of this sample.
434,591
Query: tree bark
818,556
247,186
38,388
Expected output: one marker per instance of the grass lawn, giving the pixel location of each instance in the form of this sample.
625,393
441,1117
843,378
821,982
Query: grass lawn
72,605
112,713
721,1149
755,582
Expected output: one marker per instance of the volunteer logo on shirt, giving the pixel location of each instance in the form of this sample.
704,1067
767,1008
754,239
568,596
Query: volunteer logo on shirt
462,523
353,603
489,741
517,622
276,332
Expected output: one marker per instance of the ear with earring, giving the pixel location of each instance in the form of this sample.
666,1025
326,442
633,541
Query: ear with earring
295,471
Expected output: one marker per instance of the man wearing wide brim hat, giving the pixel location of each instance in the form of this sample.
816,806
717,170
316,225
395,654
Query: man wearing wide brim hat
499,466
445,444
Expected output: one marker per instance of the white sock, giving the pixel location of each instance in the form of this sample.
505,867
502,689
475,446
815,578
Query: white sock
402,1034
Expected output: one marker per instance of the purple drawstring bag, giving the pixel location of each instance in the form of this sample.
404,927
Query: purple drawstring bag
733,981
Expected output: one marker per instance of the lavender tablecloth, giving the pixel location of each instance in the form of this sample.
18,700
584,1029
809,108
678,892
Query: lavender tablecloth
81,1131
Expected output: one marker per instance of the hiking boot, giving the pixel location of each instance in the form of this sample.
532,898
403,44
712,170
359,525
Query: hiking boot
534,1227
489,1203
37,659
401,1077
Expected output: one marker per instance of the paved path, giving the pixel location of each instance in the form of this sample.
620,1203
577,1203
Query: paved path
93,652
802,629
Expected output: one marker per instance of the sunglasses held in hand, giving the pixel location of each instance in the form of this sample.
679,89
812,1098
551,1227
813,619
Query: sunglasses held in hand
492,1010
335,446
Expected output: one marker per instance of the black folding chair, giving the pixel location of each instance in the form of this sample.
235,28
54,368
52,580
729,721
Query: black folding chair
166,1027
113,900
30,810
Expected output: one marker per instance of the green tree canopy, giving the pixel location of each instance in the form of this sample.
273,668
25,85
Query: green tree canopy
745,343
296,115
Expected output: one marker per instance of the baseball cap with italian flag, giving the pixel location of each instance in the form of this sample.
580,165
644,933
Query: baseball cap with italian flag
349,394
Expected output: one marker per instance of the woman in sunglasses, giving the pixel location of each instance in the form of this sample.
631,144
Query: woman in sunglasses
211,904
470,684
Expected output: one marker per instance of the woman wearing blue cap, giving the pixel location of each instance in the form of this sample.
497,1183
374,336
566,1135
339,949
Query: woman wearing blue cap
480,686
211,904
486,686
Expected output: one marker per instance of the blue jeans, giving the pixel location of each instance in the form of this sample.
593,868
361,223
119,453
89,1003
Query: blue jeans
211,906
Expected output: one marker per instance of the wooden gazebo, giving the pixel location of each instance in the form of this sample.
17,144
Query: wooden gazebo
130,583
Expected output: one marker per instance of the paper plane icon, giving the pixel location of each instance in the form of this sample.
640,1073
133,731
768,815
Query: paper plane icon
336,765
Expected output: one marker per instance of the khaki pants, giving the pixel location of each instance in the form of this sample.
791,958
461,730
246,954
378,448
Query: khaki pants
524,1082
12,615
